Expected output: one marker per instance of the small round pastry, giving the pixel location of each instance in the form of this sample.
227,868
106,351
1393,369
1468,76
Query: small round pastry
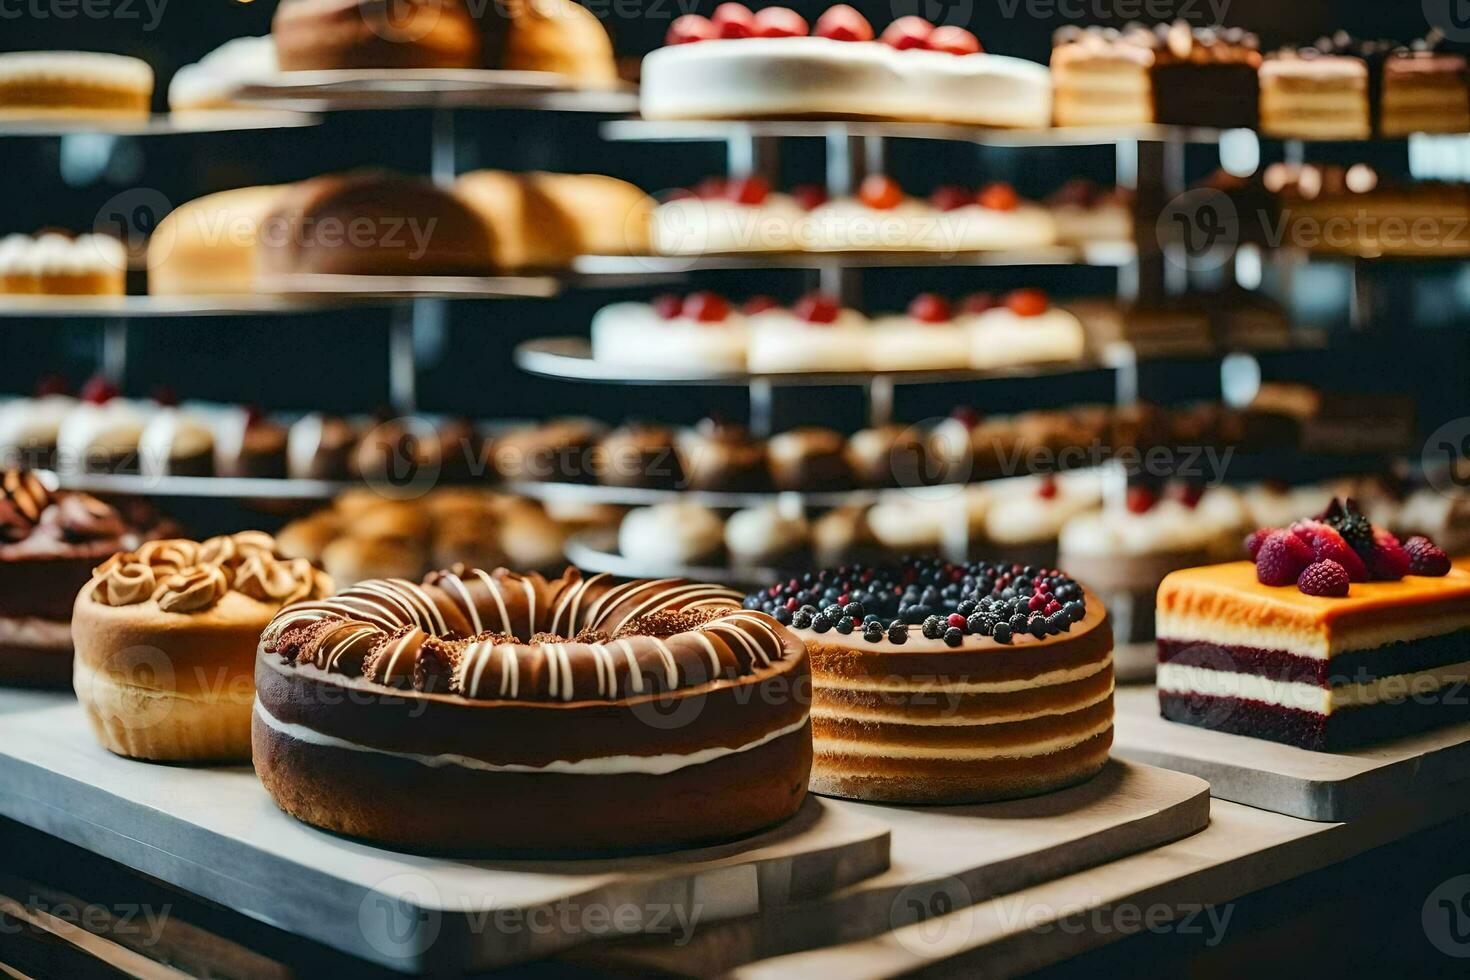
408,714
331,34
371,223
717,455
392,520
994,217
73,83
670,535
559,450
165,639
764,534
49,544
29,426
931,685
250,445
1085,213
880,217
531,538
1027,514
100,435
637,455
841,534
213,81
728,217
809,458
926,338
207,246
471,538
816,334
927,523
319,447
309,536
53,264
396,453
352,559
176,442
464,452
890,456
1024,329
696,333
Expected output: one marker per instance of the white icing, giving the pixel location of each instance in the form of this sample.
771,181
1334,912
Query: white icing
172,434
780,341
610,765
211,83
93,432
669,534
827,747
633,334
697,225
901,343
807,76
763,532
32,422
1000,338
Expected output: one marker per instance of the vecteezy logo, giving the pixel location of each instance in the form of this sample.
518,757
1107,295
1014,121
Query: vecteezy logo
402,21
940,13
132,216
1446,457
922,917
404,462
1202,224
1452,17
400,917
1446,917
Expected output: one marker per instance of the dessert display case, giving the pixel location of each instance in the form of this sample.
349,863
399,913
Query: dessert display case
807,688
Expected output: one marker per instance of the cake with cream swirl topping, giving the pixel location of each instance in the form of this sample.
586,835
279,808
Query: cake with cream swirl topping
166,636
408,714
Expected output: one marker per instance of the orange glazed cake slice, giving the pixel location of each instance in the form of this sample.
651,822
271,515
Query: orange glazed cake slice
1336,636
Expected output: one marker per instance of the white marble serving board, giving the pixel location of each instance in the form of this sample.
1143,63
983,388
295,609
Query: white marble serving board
945,859
214,831
1329,786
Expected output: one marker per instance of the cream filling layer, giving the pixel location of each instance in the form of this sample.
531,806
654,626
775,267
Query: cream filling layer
609,765
898,716
940,685
1186,680
828,747
1317,644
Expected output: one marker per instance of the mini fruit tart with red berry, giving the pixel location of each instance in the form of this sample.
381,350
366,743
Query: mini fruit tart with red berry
1336,634
771,64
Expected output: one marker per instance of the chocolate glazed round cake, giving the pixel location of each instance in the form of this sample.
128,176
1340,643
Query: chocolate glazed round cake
946,683
495,712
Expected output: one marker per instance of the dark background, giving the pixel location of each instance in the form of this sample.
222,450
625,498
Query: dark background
338,361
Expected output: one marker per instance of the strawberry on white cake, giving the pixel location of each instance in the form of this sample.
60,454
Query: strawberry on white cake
925,338
740,64
1023,329
817,334
699,331
994,217
720,216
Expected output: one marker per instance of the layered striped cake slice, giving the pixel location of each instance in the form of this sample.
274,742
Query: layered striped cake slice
1322,672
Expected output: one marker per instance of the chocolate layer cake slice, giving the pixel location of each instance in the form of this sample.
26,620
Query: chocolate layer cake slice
1322,672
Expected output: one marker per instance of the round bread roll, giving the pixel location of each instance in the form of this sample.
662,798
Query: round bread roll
350,560
308,537
328,34
373,224
608,216
207,246
559,36
528,228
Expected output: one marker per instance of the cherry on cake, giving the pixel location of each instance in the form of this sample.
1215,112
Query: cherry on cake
698,332
927,337
1023,328
770,63
943,683
1336,635
817,334
991,217
1085,213
719,216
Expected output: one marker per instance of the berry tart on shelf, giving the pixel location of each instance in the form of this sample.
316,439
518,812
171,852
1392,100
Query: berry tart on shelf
1336,635
946,683
770,63
495,712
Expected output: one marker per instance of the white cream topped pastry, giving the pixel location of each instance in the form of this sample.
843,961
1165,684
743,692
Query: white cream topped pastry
670,535
1025,329
763,533
213,81
817,334
100,435
1032,510
727,217
926,338
699,332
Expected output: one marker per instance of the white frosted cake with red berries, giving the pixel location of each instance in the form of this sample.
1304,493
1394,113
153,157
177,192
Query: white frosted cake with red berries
766,64
1023,328
943,683
925,338
817,334
1337,635
719,216
699,332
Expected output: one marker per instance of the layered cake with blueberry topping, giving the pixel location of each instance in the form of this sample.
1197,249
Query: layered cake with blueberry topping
769,63
487,711
1337,635
945,683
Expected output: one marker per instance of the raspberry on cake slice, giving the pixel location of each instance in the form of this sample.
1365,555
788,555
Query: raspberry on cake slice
1335,635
